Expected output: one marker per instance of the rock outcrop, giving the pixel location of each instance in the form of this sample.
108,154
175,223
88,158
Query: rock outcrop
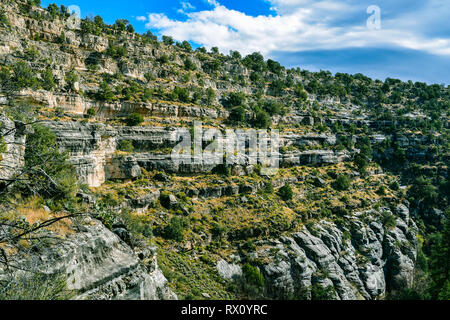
93,148
362,260
100,266
13,138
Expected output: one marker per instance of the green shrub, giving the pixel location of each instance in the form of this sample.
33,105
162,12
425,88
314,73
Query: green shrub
48,80
163,59
251,283
318,292
253,276
34,286
134,119
212,66
185,45
149,77
300,92
210,96
237,114
381,190
121,24
126,146
360,162
91,112
53,10
31,53
52,178
93,68
105,93
189,65
218,230
286,192
342,183
4,21
222,169
130,28
116,52
167,40
24,76
274,66
147,95
62,38
180,94
423,191
198,93
5,76
176,228
269,188
389,221
262,120
71,78
394,186
277,88
235,99
164,199
272,107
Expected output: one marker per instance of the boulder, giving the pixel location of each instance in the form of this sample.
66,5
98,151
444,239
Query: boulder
100,266
228,271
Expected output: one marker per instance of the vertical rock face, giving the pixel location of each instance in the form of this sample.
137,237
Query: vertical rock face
93,151
89,147
14,138
122,168
227,270
100,266
360,261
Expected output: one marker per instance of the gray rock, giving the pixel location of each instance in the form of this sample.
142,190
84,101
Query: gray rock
228,271
145,201
365,266
14,137
403,212
100,266
123,234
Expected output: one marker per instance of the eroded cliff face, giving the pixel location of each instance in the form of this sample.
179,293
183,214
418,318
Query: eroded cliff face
13,142
98,265
362,260
93,150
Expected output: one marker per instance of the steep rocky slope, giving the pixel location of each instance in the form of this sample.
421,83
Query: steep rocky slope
335,238
370,261
99,265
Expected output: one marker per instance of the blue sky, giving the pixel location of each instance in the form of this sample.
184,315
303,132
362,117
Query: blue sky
411,43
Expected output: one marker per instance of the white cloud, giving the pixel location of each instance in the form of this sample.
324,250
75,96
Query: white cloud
299,25
187,5
141,18
214,3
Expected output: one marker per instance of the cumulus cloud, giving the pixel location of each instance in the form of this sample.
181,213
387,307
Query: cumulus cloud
304,25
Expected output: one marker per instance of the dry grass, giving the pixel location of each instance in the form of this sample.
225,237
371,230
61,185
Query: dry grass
33,212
